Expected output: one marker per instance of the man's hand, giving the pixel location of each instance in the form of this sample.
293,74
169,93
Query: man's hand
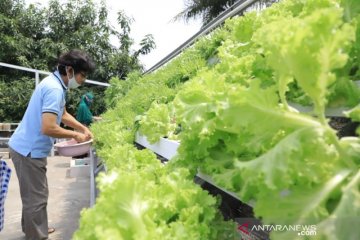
50,128
81,137
70,121
88,133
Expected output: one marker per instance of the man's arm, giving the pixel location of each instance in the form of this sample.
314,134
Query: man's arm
70,121
50,128
97,118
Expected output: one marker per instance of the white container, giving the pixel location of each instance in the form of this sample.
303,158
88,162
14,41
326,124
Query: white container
164,147
80,168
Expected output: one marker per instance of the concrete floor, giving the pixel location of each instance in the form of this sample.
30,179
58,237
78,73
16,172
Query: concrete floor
67,196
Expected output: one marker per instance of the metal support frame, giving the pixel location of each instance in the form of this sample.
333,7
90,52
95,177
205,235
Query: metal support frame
93,164
96,166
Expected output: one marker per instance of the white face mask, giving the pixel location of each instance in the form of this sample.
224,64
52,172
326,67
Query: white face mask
72,83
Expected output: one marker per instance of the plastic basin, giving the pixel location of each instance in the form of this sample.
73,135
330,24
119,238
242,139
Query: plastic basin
72,148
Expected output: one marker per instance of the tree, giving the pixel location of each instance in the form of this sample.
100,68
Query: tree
34,36
207,10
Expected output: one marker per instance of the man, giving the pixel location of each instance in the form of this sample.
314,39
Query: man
33,140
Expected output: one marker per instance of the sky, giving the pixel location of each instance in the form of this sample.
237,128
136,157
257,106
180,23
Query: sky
152,17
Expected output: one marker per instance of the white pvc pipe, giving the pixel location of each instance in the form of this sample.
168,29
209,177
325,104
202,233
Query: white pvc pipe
37,80
38,72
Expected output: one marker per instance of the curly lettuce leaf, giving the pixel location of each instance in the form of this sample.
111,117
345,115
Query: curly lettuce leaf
157,122
141,205
317,42
342,223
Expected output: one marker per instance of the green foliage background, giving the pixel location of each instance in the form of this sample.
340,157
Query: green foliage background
34,36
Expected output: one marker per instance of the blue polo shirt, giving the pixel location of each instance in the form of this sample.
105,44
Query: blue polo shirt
49,96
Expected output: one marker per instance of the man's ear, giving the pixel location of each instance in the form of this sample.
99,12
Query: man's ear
70,70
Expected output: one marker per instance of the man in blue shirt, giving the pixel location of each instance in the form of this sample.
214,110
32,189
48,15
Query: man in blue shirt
33,139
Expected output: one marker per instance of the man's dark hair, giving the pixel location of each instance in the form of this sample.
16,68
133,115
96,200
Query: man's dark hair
78,60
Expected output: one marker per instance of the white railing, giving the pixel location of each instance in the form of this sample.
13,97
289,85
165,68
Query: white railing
38,72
